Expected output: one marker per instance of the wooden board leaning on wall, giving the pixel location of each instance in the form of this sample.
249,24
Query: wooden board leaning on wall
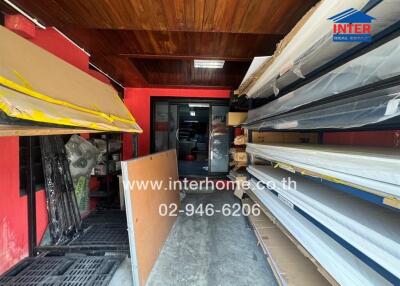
147,228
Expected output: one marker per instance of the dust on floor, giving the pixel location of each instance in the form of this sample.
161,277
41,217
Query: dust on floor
211,250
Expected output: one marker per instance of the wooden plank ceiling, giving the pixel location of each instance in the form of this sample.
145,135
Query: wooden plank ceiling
153,43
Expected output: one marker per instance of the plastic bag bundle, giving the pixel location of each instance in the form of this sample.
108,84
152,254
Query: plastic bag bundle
82,157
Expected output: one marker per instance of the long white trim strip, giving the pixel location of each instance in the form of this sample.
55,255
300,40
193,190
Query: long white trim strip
71,41
34,20
101,71
372,168
129,218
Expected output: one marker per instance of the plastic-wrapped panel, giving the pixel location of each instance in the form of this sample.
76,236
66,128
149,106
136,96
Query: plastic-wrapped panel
310,46
372,168
357,111
379,64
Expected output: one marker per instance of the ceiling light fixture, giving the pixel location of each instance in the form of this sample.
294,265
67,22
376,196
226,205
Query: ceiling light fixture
209,64
199,105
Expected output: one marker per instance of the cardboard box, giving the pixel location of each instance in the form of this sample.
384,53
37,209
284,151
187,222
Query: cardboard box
240,140
236,118
284,137
239,193
237,149
237,165
240,156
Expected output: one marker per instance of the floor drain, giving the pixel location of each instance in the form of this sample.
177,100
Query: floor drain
63,271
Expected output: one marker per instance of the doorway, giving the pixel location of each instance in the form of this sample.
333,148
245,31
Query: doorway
197,130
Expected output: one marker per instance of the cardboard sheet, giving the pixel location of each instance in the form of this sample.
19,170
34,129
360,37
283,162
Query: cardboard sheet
147,229
290,266
36,85
16,130
236,118
284,137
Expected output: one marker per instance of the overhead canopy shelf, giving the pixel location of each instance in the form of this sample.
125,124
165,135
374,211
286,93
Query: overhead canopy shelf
309,46
38,86
16,130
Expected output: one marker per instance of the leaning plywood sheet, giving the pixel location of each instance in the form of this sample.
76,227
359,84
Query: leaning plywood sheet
341,264
266,211
38,86
372,168
290,266
147,229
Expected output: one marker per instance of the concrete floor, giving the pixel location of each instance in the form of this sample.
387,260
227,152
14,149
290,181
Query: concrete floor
123,275
211,250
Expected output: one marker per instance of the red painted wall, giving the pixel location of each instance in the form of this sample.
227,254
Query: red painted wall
390,138
13,211
13,207
52,41
137,101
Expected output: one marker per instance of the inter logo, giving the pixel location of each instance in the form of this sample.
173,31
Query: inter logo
352,26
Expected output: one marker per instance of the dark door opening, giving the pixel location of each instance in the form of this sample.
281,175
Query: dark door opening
197,130
193,139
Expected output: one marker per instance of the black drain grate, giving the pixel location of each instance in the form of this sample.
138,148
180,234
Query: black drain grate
104,231
105,217
62,271
100,235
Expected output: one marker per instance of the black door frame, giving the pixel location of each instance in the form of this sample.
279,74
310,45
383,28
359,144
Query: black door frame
178,100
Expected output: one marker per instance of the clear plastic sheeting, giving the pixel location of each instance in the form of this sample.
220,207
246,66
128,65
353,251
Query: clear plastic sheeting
82,157
379,64
341,264
357,111
63,213
219,140
372,230
311,45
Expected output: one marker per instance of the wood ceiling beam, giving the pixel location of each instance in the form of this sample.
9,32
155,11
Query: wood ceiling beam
142,42
185,57
120,68
238,16
175,45
192,86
